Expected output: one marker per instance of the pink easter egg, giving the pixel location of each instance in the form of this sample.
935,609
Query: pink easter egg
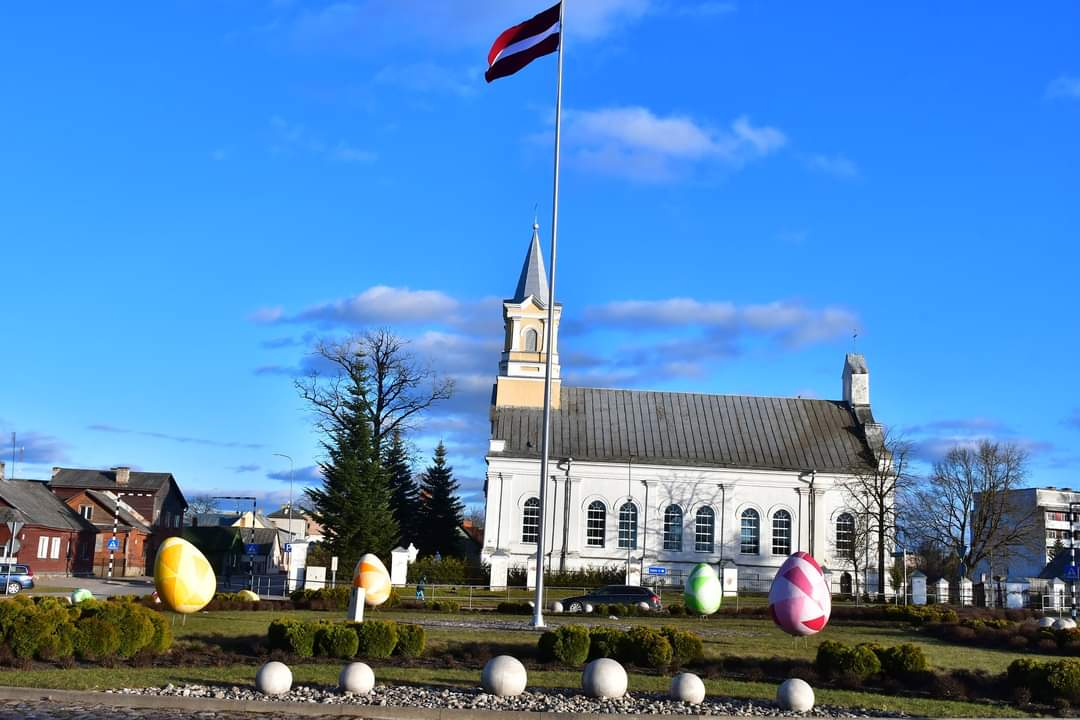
799,599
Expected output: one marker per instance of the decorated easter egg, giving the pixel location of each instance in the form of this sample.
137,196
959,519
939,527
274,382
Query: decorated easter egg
183,576
799,599
248,596
372,575
79,595
703,591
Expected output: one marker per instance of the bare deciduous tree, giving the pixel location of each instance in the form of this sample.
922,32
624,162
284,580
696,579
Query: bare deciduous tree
397,385
871,492
202,504
967,506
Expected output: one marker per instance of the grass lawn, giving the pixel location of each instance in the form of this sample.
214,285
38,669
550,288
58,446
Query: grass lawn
726,636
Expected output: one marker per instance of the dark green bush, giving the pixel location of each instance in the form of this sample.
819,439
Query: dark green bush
676,610
685,646
447,606
612,574
831,657
133,623
96,638
863,662
376,638
1063,679
514,608
163,636
335,640
606,642
292,636
411,640
335,598
834,659
568,644
647,648
905,658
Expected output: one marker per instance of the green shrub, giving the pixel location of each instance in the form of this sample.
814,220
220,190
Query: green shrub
606,642
1029,674
292,636
446,571
411,640
685,646
676,610
96,638
335,598
831,657
163,636
863,662
1063,679
905,658
834,658
133,623
447,606
568,644
514,608
335,640
376,638
58,645
648,648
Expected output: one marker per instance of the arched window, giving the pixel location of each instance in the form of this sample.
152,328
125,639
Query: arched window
673,528
781,533
845,536
530,521
845,584
750,532
595,522
628,526
704,529
530,340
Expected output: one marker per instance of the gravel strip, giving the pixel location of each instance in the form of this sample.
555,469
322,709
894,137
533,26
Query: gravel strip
419,696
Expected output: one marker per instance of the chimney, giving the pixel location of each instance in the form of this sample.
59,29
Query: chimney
55,471
856,380
1,470
123,474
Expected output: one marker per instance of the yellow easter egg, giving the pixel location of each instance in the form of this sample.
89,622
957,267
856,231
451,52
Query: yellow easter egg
248,595
372,575
183,577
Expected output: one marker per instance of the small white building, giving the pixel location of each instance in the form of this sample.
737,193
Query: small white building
666,480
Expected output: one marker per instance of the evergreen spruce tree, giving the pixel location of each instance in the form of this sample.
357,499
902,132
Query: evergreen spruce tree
404,492
353,504
441,511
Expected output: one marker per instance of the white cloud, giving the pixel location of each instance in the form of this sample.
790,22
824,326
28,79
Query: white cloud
704,9
836,165
379,304
289,138
636,142
670,312
1064,86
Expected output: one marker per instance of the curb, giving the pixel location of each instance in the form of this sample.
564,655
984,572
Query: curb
372,712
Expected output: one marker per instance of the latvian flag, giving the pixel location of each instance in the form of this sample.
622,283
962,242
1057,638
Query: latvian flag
521,44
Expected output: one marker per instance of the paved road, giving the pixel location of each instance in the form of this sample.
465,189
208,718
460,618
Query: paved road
100,587
25,710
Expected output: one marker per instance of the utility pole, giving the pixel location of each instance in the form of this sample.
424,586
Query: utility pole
113,542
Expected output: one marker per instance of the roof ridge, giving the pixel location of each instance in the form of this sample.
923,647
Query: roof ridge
702,394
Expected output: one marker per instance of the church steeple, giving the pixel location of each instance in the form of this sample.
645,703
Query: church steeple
533,278
521,369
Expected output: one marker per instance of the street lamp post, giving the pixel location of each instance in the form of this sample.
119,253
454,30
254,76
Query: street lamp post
289,458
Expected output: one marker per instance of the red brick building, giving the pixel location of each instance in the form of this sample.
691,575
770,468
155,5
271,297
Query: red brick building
50,537
131,558
154,496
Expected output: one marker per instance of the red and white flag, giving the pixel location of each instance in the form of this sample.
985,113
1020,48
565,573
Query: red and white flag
521,44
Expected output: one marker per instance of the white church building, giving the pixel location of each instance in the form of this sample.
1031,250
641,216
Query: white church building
657,482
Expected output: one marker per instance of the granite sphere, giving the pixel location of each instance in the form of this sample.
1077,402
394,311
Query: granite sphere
273,678
504,676
588,608
604,678
1064,624
795,694
644,606
356,678
1046,621
688,688
556,607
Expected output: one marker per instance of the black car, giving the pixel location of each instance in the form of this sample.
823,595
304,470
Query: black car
612,595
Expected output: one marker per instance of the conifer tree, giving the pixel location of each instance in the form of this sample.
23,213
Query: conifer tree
441,511
353,504
404,492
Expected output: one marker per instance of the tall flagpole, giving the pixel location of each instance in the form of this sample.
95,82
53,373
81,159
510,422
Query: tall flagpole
545,446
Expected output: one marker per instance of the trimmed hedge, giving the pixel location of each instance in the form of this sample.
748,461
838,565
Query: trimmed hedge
336,641
377,638
1052,681
641,646
371,638
686,647
568,644
411,640
292,636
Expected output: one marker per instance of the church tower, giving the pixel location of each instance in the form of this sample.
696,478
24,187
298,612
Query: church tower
521,368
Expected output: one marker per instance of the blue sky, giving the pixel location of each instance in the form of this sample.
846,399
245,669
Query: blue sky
193,193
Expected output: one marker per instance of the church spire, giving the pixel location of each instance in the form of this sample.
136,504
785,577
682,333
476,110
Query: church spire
533,278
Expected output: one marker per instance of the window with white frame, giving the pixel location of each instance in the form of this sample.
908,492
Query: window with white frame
673,518
42,547
595,524
750,532
781,533
628,526
530,521
87,511
845,536
704,529
54,551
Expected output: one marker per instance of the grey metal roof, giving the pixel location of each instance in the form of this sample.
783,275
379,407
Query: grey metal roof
533,278
669,428
106,479
109,503
39,506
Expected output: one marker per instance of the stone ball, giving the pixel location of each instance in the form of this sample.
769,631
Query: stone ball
795,694
556,607
273,678
532,604
1045,622
644,606
356,678
604,678
1064,624
504,676
588,608
688,688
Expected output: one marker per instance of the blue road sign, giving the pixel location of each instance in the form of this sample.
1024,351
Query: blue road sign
657,570
251,548
114,544
288,547
1071,573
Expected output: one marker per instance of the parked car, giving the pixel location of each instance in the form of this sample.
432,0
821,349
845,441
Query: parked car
613,594
15,578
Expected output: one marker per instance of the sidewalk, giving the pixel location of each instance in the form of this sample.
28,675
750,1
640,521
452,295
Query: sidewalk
100,587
